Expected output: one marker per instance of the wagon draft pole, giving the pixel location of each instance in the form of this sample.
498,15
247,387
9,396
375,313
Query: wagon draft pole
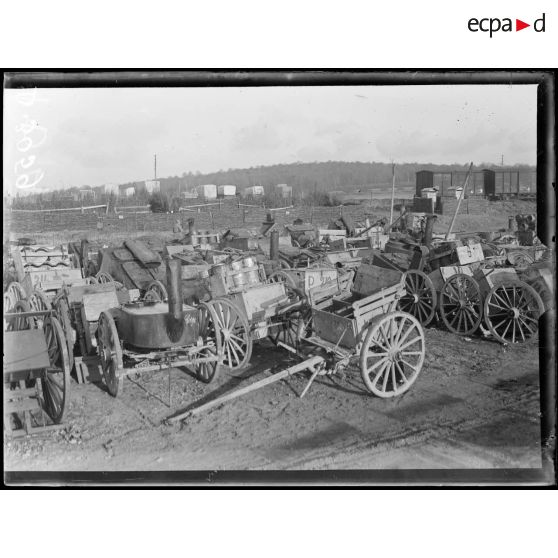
462,195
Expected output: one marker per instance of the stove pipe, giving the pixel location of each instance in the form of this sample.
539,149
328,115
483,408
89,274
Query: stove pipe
173,288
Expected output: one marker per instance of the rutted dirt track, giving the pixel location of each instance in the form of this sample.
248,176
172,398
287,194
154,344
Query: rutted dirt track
475,405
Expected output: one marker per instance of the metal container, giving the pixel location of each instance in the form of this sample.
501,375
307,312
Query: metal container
146,326
236,266
248,262
239,279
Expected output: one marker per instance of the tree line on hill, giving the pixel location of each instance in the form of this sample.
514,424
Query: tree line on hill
311,182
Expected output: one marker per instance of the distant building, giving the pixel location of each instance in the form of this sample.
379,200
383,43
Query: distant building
226,190
129,192
284,190
153,186
207,191
86,194
189,195
254,191
112,189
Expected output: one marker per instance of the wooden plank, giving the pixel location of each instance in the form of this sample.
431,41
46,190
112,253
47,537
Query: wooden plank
25,350
95,303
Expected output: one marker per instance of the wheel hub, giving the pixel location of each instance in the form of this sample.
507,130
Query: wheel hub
415,298
514,313
226,334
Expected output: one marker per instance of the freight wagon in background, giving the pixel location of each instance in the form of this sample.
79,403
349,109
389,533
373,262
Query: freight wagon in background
253,191
226,191
207,191
487,183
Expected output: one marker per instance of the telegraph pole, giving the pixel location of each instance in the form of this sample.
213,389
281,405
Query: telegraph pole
155,166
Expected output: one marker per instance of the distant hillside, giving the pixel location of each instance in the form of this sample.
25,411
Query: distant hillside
305,178
310,177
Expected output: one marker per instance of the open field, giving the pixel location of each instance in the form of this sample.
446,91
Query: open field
53,228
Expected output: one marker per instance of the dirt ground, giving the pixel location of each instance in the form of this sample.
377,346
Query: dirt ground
475,405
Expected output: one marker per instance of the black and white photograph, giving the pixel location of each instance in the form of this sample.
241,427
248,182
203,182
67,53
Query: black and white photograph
274,276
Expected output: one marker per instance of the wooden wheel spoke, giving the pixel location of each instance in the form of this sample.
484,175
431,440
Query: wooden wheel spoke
380,373
401,372
409,343
393,377
386,375
380,362
411,366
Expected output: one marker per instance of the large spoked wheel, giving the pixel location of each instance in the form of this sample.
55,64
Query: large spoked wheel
461,304
62,312
55,383
19,323
234,331
420,297
156,292
38,302
512,311
208,371
13,294
110,351
392,354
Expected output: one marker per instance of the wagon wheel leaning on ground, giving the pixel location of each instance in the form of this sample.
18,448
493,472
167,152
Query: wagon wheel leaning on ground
156,291
62,312
110,352
420,297
55,382
392,354
512,310
233,330
206,372
460,304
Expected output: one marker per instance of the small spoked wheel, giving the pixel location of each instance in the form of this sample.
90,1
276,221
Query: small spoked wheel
420,297
208,370
392,354
232,327
305,324
38,302
104,277
285,330
156,292
512,310
110,352
55,382
461,304
62,312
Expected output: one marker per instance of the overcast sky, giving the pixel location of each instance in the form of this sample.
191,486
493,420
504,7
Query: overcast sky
97,136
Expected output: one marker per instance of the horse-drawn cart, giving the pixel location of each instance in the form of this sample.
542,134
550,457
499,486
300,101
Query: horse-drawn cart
36,371
388,344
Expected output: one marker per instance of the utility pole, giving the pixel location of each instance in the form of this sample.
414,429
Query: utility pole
502,160
392,192
155,166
